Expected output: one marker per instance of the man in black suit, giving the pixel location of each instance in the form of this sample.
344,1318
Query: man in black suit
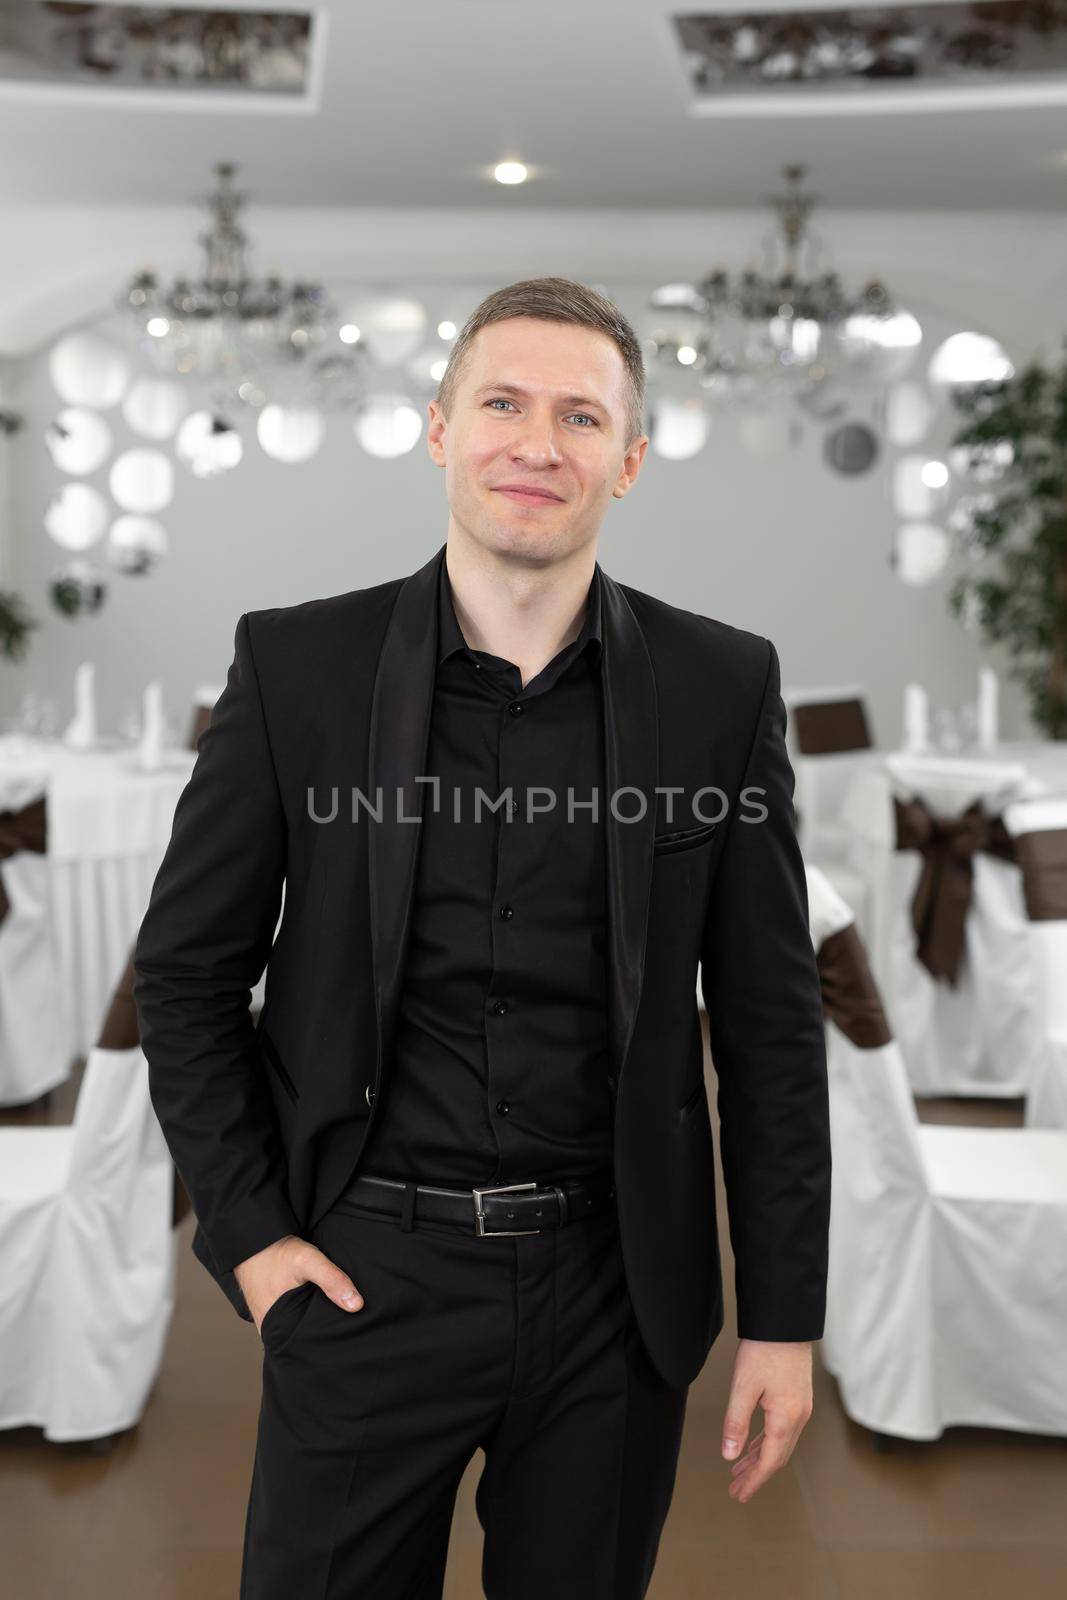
461,1174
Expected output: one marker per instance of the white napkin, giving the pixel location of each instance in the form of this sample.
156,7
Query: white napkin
988,696
80,733
916,719
153,728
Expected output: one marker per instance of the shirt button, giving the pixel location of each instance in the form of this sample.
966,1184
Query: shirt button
500,1007
368,1095
515,708
503,1106
507,912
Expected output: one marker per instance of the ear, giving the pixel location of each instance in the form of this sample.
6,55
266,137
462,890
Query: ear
631,466
435,433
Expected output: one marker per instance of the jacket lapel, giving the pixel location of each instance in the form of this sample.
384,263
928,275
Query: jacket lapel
631,760
399,742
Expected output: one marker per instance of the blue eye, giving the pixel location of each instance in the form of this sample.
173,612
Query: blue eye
499,400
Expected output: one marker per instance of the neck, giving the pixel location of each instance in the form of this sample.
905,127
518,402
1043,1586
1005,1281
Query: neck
524,613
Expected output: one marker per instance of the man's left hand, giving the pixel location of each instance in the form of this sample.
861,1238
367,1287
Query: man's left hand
777,1376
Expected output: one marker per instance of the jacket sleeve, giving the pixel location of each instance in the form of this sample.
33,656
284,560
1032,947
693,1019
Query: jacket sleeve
768,1046
202,946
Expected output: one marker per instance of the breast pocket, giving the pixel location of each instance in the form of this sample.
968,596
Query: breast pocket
668,844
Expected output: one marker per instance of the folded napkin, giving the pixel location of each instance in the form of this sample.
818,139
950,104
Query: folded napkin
916,719
153,728
80,733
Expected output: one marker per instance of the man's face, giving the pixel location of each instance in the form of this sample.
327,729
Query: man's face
540,408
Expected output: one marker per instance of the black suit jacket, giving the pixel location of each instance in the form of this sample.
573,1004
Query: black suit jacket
266,1123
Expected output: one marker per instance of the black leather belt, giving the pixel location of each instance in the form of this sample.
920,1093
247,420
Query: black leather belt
507,1208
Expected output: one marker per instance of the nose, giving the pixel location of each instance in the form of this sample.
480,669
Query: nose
536,444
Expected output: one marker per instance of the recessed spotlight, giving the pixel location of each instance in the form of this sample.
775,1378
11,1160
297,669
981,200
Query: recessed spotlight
509,172
349,334
446,330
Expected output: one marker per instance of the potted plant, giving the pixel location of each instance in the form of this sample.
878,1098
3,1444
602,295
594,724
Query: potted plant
15,625
1014,529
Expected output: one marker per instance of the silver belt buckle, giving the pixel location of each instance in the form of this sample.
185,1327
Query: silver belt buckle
479,1215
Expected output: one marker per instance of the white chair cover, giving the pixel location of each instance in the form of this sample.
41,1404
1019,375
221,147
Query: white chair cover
822,780
108,826
259,993
947,1280
86,1258
34,1026
851,887
828,909
983,1037
1046,1100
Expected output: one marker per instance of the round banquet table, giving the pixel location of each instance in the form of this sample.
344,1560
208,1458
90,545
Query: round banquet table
108,825
1045,761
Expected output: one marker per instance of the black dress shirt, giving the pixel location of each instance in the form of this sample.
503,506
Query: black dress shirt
501,1061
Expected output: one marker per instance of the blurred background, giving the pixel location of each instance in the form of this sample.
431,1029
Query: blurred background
236,245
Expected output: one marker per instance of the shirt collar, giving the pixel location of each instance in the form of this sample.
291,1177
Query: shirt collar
450,636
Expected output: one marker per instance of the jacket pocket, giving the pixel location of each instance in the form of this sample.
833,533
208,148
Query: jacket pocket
664,844
276,1062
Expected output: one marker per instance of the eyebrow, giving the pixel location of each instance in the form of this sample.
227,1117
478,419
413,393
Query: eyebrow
514,388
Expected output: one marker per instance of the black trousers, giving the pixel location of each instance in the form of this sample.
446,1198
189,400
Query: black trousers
525,1346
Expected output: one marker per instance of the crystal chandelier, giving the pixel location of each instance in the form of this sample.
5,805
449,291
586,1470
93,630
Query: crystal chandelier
789,330
248,339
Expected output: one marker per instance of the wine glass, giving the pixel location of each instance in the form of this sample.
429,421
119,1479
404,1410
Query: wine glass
947,736
130,721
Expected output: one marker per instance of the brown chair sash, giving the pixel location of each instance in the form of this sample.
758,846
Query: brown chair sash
850,995
26,829
122,1031
942,895
830,727
200,720
1042,856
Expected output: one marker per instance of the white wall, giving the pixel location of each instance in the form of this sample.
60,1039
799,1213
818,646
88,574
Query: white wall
783,547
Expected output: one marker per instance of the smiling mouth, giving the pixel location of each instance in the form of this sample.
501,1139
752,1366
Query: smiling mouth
530,497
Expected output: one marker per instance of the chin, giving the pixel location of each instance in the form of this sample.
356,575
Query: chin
519,537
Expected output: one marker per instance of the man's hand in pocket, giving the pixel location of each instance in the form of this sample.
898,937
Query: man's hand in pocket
285,1264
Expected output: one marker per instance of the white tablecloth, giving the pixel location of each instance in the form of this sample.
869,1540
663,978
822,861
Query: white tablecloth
109,824
866,812
1045,761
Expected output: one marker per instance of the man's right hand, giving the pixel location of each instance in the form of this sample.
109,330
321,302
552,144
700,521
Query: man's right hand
285,1264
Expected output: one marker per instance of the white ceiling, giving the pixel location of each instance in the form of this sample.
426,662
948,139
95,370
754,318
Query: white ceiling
418,97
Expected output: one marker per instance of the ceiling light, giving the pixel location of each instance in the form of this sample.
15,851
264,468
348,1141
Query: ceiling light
509,172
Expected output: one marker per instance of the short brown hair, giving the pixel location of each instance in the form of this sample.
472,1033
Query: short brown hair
554,300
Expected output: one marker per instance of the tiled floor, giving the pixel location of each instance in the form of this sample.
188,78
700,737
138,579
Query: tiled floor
980,1514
